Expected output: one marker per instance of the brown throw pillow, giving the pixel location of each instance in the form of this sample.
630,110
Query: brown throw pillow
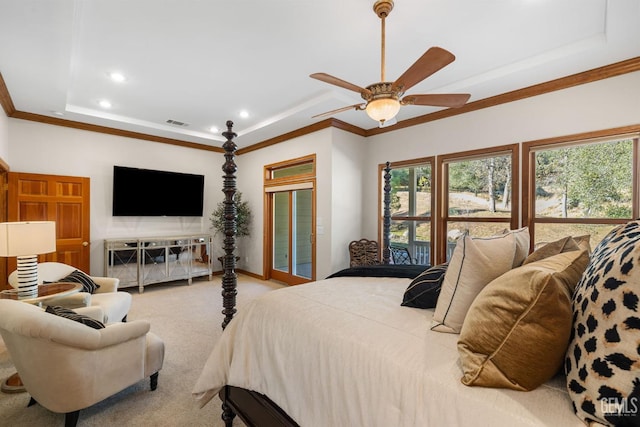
517,330
566,244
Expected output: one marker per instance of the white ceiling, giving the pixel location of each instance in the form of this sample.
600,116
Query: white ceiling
202,62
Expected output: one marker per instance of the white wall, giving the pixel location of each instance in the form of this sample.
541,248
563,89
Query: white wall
46,149
599,105
250,182
347,162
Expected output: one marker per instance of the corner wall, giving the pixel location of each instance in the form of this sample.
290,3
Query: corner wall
338,193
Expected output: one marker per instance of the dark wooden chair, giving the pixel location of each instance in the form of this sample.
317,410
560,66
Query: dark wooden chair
363,252
400,255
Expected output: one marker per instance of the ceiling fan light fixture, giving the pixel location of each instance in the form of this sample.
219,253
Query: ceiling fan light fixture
383,109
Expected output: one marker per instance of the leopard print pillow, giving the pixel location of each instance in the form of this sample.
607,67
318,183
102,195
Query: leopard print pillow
602,362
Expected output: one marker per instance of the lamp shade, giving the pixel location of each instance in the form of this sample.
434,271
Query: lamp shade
383,109
27,238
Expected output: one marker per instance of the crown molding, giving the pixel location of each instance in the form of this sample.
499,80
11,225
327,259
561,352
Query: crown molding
601,73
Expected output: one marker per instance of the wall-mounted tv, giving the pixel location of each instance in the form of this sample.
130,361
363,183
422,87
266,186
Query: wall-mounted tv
147,192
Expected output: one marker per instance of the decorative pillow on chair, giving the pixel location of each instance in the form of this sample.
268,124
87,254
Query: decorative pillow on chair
517,330
423,291
70,314
602,362
475,262
77,276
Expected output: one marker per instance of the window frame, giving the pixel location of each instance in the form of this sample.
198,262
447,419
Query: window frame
442,213
529,150
419,162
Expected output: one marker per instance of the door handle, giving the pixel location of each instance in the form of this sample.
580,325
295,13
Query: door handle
85,244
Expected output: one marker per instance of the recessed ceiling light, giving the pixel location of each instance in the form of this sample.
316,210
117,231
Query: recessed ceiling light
117,77
244,114
105,104
214,129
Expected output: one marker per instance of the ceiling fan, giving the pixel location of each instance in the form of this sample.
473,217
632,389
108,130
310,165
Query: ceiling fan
383,99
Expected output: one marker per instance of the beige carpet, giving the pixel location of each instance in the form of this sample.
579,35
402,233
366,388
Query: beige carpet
188,319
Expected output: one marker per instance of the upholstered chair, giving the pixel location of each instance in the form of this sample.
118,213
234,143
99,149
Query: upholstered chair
114,304
67,366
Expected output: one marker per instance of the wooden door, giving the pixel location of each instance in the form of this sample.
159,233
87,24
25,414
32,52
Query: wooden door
63,199
4,271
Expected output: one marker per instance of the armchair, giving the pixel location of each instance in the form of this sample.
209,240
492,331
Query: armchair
114,304
67,366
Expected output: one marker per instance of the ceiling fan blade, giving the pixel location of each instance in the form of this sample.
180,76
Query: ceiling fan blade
340,110
453,100
338,82
431,61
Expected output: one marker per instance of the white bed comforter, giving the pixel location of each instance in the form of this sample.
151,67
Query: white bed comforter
343,352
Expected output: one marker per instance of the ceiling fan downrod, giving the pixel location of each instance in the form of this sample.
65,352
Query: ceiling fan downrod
382,8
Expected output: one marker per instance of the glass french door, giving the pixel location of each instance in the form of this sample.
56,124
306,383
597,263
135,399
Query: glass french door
292,237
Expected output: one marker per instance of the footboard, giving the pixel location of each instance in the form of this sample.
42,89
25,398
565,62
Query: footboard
254,409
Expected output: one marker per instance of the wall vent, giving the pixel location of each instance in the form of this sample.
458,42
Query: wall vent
177,123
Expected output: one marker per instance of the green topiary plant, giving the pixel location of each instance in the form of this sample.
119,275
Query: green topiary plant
243,218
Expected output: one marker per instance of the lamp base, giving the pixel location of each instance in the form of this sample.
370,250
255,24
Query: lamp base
27,276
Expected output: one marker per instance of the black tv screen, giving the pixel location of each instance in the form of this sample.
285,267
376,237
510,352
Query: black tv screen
147,192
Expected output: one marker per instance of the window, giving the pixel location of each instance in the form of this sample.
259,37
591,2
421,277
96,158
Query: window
478,191
587,185
411,206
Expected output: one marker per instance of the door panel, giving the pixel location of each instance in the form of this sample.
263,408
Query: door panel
281,232
63,199
302,234
292,253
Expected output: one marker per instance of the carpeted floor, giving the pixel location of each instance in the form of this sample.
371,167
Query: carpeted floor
188,319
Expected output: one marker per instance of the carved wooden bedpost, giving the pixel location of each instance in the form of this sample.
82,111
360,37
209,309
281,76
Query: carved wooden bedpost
229,279
386,215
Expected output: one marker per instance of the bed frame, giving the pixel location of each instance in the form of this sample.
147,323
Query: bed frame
255,409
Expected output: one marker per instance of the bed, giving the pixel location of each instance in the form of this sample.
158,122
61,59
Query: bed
374,362
304,356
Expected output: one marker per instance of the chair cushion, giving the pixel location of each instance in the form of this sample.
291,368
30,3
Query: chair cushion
602,362
70,314
115,305
423,291
77,276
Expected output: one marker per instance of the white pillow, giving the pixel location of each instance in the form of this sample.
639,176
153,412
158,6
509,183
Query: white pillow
475,262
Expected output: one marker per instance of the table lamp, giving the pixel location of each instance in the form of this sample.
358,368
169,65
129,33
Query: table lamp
26,240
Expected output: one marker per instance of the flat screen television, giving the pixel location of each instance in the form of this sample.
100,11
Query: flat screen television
147,192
